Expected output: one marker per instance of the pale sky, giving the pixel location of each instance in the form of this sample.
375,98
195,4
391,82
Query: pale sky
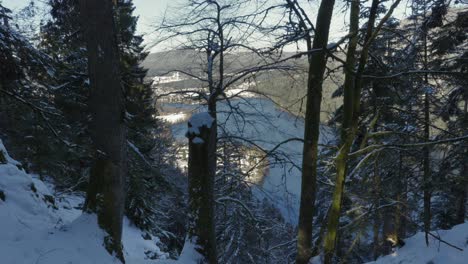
151,11
148,10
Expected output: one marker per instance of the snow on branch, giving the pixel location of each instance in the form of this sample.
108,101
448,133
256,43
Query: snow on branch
374,147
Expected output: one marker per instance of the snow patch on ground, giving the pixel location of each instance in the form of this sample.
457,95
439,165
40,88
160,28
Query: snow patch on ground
415,249
36,227
5,153
189,254
134,242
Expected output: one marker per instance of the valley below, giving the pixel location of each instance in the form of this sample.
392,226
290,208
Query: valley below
259,126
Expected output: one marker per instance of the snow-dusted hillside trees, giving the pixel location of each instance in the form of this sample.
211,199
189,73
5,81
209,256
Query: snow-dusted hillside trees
264,131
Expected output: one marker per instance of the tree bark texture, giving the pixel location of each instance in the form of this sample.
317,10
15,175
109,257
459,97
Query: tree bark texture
377,213
317,63
346,140
427,188
201,173
106,195
351,102
463,186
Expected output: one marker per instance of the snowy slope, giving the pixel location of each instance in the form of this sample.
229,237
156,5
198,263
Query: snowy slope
416,252
36,227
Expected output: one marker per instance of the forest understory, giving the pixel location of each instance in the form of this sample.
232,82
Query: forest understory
233,131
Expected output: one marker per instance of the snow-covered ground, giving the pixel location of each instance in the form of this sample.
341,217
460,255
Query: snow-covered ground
415,250
37,227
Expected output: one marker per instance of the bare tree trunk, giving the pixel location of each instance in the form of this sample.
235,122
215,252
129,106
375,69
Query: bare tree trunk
400,211
377,214
388,231
351,101
427,173
317,62
106,195
462,196
426,152
346,140
463,193
392,214
201,172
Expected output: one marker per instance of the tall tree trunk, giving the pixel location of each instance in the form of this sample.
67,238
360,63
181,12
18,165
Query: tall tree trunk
426,172
426,152
105,195
346,140
400,211
392,214
201,230
203,158
463,192
388,230
317,63
351,101
377,213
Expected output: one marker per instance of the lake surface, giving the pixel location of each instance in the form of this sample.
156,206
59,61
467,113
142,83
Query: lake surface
260,121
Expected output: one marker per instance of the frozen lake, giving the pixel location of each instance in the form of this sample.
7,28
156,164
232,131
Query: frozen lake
260,121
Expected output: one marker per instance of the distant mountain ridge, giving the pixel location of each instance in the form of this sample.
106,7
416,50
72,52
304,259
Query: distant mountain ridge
287,89
194,61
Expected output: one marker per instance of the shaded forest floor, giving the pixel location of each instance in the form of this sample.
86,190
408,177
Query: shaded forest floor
39,226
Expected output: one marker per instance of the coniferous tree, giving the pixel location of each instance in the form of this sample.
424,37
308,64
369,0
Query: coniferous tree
143,127
27,77
63,40
448,55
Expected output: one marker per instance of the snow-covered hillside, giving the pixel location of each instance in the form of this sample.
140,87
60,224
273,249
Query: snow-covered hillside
36,227
416,252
